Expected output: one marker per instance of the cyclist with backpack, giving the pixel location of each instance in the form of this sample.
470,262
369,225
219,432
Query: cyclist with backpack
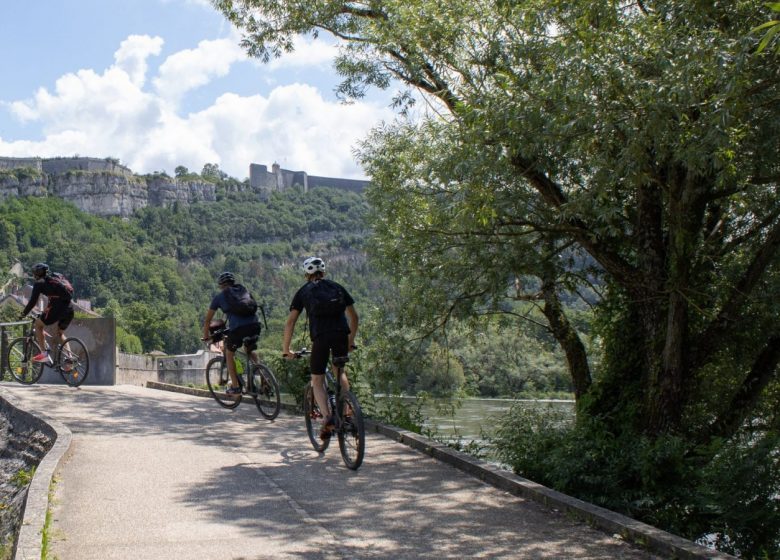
333,324
59,309
240,309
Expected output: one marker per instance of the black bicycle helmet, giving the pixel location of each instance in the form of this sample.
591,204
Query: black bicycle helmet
40,270
226,278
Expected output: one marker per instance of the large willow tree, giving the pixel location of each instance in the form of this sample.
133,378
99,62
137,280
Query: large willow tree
635,145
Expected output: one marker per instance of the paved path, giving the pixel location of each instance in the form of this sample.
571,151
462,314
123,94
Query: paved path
159,475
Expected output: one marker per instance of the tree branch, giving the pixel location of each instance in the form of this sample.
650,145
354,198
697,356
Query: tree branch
712,337
763,371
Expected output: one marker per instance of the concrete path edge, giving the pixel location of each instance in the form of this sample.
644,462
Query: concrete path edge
29,545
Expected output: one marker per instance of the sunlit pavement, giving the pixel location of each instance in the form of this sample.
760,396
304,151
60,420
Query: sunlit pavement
154,474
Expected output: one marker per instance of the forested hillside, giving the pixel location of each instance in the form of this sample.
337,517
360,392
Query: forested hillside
155,273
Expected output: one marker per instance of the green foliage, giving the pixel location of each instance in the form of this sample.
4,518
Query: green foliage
770,29
396,411
19,174
723,494
292,375
23,477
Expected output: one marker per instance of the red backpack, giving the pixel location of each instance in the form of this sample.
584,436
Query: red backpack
62,285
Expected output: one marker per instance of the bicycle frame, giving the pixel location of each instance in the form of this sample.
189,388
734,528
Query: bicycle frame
264,390
345,411
246,363
71,358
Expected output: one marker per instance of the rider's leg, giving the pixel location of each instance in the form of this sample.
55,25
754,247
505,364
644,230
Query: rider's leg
344,380
320,394
230,360
59,334
39,334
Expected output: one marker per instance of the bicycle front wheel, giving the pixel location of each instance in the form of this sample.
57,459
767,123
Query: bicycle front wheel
352,433
19,361
218,380
315,420
73,361
266,391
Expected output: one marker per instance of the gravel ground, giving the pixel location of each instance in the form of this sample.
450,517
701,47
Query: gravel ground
21,448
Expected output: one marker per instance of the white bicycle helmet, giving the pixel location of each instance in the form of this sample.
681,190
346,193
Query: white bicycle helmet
313,264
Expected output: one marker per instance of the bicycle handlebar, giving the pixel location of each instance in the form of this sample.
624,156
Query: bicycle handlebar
305,351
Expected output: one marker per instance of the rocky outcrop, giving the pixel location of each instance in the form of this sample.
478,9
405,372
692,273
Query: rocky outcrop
101,193
108,191
163,192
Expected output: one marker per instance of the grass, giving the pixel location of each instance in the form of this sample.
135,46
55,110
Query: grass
23,477
46,533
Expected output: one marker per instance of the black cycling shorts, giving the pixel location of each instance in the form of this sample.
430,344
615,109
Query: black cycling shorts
335,343
235,338
58,312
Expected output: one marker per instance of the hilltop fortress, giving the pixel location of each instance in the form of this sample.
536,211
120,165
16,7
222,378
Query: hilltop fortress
106,188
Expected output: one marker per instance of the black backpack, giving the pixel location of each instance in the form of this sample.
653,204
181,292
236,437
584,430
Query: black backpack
61,284
325,299
240,301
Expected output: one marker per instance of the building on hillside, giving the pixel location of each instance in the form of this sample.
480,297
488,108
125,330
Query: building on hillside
279,179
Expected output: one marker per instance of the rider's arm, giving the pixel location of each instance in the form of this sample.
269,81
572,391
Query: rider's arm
289,327
352,319
206,322
36,292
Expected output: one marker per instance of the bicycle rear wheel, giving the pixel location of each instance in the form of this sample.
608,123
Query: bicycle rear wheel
351,432
218,380
73,361
315,420
19,360
266,391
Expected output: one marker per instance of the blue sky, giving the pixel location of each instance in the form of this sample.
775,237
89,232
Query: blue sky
161,83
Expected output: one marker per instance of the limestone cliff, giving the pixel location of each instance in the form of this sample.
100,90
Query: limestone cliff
113,191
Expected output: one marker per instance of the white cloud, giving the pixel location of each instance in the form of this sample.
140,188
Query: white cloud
192,68
113,115
309,52
132,54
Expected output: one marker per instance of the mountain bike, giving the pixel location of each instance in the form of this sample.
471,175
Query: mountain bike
256,379
347,415
71,358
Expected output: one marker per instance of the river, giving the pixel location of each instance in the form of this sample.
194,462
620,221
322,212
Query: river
477,417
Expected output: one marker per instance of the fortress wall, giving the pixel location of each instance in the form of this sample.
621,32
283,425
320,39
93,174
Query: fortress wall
353,185
63,165
14,163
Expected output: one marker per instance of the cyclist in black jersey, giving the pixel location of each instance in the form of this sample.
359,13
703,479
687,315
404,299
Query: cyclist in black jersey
332,326
59,309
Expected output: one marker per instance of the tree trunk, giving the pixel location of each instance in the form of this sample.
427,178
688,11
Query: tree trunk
568,339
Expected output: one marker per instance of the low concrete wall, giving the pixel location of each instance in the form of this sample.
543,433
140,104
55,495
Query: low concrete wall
135,369
139,369
185,369
99,336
